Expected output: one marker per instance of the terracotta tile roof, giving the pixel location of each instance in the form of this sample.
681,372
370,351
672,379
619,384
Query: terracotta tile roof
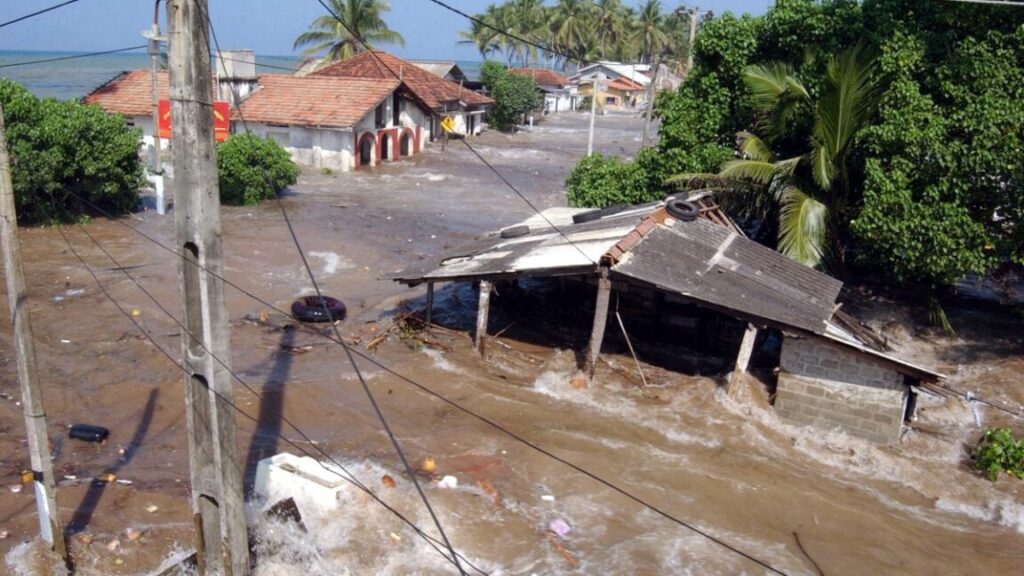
431,91
129,94
313,100
625,84
542,76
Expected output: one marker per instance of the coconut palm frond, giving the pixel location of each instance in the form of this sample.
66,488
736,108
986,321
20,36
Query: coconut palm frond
756,171
690,180
788,166
803,226
823,168
849,99
753,148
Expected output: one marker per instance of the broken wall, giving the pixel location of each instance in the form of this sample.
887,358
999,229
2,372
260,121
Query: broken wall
823,384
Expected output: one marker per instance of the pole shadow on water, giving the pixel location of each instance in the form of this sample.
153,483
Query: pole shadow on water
268,426
83,514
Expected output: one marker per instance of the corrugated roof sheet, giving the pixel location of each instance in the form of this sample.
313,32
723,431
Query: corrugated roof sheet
338,102
700,260
130,93
432,91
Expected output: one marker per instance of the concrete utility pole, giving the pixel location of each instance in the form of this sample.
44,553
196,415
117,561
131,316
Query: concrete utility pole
595,84
217,501
652,90
154,68
50,527
694,15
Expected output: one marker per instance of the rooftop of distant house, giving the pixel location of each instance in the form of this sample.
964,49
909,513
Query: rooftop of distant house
542,76
432,91
321,101
129,93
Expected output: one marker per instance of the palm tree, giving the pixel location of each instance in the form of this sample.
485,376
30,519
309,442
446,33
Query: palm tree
611,21
649,34
362,17
811,193
571,26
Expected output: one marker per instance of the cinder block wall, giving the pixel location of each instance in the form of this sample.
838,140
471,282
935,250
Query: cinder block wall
829,386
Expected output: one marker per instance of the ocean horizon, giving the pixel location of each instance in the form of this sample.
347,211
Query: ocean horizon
74,78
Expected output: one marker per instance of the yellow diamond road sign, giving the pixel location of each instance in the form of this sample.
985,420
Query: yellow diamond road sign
448,124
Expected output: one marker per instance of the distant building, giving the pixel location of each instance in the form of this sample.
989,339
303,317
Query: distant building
559,94
617,93
339,123
443,68
130,94
425,99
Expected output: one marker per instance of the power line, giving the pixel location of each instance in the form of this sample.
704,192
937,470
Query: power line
468,411
73,57
348,353
516,37
347,476
37,13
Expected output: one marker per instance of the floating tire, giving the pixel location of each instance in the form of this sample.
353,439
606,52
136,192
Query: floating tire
592,215
89,433
683,210
318,309
515,231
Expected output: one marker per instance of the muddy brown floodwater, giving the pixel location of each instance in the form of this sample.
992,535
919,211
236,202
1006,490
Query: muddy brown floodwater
728,467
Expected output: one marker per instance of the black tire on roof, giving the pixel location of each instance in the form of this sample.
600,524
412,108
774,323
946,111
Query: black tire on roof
683,210
515,231
592,215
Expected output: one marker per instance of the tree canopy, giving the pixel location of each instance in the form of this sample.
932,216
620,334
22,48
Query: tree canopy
931,173
361,22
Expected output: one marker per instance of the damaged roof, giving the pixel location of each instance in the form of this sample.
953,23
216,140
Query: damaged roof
703,260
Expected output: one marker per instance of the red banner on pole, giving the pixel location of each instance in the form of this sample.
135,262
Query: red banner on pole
221,120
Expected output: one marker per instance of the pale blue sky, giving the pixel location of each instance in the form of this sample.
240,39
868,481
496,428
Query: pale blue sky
267,26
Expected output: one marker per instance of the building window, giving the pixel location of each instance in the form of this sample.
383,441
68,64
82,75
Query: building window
378,116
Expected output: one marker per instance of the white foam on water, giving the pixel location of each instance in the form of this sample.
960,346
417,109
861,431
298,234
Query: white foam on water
1001,510
616,403
332,261
26,559
442,363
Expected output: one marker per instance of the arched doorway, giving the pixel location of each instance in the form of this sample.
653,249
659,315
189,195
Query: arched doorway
387,146
405,142
367,150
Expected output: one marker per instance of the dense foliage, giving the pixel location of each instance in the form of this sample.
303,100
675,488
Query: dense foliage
251,169
581,29
514,95
361,21
998,452
933,175
62,152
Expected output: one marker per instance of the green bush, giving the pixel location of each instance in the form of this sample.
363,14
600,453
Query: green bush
250,169
599,181
998,452
60,150
513,95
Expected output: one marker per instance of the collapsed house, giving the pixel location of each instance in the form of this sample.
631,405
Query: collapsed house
832,372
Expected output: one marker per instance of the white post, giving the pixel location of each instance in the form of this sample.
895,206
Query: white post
482,314
743,357
593,114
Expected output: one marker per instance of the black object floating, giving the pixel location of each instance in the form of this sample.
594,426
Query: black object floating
89,433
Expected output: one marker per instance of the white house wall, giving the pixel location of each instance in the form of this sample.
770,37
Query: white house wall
315,147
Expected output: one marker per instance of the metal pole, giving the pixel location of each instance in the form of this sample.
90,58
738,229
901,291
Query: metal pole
154,67
481,316
593,114
50,527
217,500
694,14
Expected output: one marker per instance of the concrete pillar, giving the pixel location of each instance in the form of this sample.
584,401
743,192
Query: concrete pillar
481,315
604,290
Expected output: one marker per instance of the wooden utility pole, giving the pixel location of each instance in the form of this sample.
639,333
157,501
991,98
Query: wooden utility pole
604,292
217,500
652,90
482,312
50,527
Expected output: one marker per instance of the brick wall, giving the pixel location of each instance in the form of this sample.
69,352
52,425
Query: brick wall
826,385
